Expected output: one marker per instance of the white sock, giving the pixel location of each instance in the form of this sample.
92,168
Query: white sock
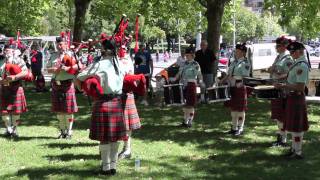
114,154
105,150
241,118
191,115
281,131
297,139
186,115
69,119
234,120
7,122
62,123
15,120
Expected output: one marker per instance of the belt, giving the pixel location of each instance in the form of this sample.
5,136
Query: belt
295,93
192,81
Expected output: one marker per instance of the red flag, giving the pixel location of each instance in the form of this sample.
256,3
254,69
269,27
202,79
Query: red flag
136,48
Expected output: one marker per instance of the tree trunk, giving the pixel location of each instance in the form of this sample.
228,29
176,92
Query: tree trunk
215,9
81,9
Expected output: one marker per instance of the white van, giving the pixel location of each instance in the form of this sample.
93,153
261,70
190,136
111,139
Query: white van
262,56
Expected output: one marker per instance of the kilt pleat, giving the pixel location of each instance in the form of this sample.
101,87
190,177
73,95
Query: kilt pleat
108,121
131,115
190,94
296,119
277,109
13,99
63,97
238,101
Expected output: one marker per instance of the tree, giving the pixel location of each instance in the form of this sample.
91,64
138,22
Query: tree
303,14
81,7
22,14
214,13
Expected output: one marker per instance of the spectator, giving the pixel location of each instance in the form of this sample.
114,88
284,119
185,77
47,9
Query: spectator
144,65
206,59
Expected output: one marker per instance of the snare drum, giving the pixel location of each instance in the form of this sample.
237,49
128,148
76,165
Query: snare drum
173,94
218,94
267,92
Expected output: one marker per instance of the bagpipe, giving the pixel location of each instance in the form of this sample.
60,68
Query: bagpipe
131,83
13,69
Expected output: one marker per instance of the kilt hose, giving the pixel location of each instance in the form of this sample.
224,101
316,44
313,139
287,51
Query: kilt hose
131,115
277,109
238,101
13,100
108,120
190,94
63,97
296,119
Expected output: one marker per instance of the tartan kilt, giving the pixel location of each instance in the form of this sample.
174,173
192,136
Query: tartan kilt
296,119
238,101
13,99
277,109
131,115
63,97
108,121
190,94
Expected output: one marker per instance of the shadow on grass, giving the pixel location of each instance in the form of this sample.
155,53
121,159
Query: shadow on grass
68,145
71,157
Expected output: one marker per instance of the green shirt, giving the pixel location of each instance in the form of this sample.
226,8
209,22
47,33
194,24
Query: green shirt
54,61
110,81
281,65
240,68
299,71
190,71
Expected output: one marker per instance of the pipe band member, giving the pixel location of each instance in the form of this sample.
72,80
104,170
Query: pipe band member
296,119
189,75
237,104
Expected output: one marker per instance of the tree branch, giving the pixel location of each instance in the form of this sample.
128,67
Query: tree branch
203,3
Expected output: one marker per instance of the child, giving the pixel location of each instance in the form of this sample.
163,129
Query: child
189,75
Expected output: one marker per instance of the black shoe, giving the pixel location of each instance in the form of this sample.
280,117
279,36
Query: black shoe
122,155
62,135
294,156
102,172
189,125
183,124
14,135
67,136
289,154
232,131
238,133
113,172
7,134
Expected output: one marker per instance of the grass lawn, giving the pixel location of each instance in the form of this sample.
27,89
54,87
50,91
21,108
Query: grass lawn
166,151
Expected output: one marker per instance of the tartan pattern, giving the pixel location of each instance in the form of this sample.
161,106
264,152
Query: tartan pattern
277,109
238,101
108,121
131,115
63,97
190,94
13,99
296,119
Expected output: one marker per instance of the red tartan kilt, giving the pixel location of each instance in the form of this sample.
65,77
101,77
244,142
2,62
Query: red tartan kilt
13,102
131,115
190,94
277,109
108,121
238,101
66,103
296,119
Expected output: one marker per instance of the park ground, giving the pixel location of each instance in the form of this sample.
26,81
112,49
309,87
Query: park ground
166,151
